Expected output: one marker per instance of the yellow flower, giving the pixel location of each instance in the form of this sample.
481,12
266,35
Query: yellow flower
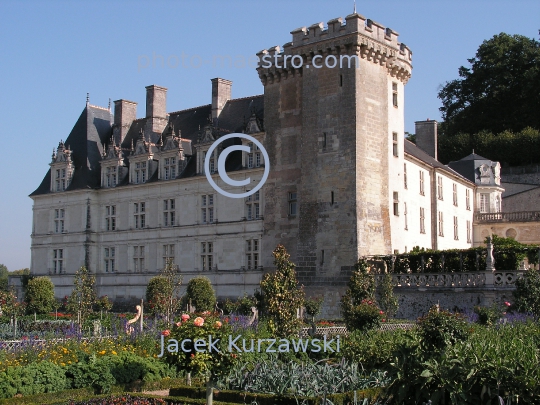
113,352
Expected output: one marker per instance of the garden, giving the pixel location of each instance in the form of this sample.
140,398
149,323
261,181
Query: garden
257,350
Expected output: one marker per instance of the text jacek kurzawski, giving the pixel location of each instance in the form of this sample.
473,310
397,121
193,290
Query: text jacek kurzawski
239,345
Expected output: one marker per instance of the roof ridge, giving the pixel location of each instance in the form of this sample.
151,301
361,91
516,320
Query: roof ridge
244,98
98,107
189,109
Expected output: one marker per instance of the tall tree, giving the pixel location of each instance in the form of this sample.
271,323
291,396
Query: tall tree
83,296
282,296
500,91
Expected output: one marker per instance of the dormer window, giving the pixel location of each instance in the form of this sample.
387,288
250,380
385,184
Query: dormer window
169,168
60,179
61,168
110,177
254,158
140,172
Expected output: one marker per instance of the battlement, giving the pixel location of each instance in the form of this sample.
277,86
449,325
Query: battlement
358,36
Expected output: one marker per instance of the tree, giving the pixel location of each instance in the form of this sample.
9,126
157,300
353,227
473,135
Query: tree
498,92
39,296
200,294
83,297
358,305
387,299
158,295
527,293
162,291
281,296
4,273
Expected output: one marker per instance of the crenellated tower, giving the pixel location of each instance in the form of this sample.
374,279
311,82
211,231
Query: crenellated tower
334,133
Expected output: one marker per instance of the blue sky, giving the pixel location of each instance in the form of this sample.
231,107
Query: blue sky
53,53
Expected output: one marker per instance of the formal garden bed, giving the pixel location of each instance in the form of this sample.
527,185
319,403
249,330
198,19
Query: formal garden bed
483,357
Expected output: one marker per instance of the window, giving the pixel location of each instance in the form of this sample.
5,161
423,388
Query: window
497,203
212,164
396,204
422,221
456,236
110,218
140,172
253,206
441,233
468,199
254,156
468,231
405,175
110,177
168,254
454,190
109,260
293,208
59,220
169,212
395,144
140,215
207,210
138,259
324,140
422,182
58,261
405,215
439,188
207,250
252,254
332,199
169,168
484,202
394,94
61,179
322,257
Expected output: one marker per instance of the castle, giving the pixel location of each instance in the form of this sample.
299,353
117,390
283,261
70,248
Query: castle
124,194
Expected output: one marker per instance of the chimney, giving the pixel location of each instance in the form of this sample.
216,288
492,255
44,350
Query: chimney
426,136
125,112
221,93
156,112
156,102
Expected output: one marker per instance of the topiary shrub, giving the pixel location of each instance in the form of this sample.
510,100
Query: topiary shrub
439,328
158,295
200,294
360,311
39,296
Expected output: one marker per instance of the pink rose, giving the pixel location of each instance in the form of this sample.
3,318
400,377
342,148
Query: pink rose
178,323
218,324
185,317
507,303
166,332
206,313
198,321
381,312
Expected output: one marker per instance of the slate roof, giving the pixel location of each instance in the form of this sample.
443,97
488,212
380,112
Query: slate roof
94,128
413,150
86,140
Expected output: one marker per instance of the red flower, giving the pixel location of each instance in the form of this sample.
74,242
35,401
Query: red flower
166,332
381,312
507,303
192,355
198,321
185,317
218,324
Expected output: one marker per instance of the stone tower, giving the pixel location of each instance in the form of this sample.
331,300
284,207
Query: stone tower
334,133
